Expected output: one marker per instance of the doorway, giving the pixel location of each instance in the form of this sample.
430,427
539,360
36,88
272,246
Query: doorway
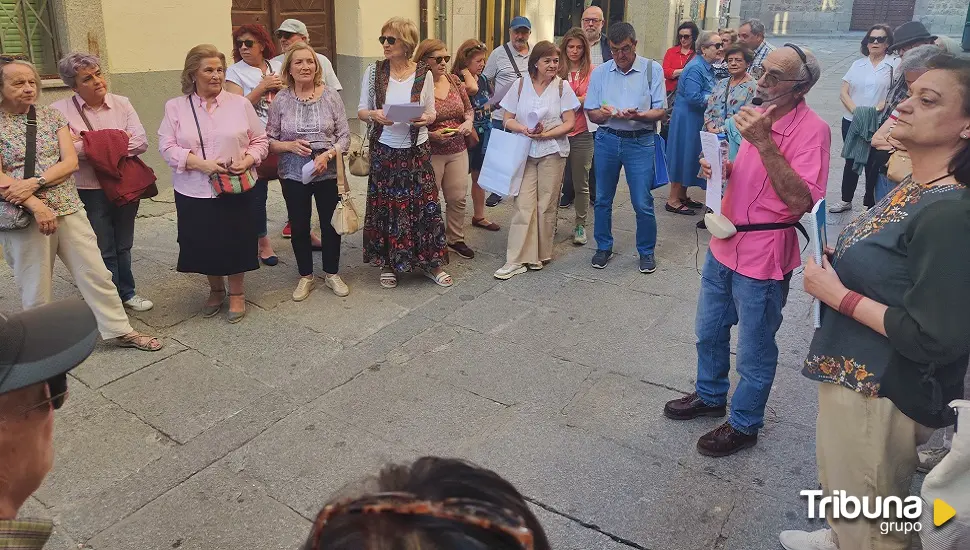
318,15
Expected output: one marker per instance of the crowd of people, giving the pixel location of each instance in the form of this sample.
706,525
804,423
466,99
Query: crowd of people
894,342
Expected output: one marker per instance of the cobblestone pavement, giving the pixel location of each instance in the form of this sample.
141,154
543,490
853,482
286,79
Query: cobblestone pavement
235,435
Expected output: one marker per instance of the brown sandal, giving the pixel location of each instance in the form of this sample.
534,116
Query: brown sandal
485,224
138,341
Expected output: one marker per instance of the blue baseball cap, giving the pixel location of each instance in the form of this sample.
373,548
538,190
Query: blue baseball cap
519,22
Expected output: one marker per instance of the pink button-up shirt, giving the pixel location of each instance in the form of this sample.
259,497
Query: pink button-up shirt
230,131
116,113
804,139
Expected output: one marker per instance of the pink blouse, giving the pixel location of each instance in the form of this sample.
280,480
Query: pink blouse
116,113
230,131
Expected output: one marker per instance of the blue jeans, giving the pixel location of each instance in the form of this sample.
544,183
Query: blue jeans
115,229
636,156
728,298
883,186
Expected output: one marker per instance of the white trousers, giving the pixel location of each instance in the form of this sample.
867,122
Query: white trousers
30,254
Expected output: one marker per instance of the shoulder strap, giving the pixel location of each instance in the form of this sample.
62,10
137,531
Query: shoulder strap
515,67
30,158
649,75
560,88
197,127
80,111
521,83
269,68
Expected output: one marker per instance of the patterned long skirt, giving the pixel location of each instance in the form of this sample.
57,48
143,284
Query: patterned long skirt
403,227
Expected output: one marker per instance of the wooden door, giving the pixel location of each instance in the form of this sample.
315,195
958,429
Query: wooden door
866,13
318,15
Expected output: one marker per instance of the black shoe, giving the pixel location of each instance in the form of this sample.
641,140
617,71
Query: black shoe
702,224
691,406
493,200
689,203
565,201
602,257
648,264
724,441
462,250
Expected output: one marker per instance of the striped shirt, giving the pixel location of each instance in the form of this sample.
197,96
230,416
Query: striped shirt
25,534
500,71
760,53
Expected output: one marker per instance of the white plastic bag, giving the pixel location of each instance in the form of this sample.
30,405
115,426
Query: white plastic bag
949,481
504,163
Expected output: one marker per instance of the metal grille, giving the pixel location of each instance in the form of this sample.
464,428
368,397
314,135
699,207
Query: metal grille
26,29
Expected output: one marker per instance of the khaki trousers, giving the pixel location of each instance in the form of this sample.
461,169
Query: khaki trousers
533,224
580,161
31,254
865,447
451,173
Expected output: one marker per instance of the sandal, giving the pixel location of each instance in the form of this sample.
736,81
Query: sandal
388,279
138,341
680,209
485,224
212,311
236,316
441,279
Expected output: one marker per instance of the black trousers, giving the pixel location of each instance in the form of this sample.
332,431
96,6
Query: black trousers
850,179
299,199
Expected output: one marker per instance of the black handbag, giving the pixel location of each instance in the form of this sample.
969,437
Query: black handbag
13,217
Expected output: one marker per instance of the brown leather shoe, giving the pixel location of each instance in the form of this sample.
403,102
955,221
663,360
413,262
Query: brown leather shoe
724,440
691,406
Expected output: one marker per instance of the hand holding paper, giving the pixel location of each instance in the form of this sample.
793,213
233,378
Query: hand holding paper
711,148
403,112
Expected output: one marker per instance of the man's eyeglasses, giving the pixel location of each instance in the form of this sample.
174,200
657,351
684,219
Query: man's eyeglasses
591,21
247,43
771,79
440,59
625,50
390,40
878,39
57,392
283,35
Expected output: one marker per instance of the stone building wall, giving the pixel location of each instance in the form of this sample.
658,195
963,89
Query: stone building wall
945,17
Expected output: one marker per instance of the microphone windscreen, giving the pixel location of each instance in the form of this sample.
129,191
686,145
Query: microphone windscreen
757,102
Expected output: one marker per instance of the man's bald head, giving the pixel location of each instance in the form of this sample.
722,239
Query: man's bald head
593,23
787,77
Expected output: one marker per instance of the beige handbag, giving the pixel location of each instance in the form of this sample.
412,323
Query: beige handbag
345,220
899,166
360,159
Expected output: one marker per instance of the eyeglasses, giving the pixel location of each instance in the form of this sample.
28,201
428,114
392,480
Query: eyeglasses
57,392
719,45
283,35
440,59
771,80
878,39
625,50
247,43
591,21
476,513
686,36
389,39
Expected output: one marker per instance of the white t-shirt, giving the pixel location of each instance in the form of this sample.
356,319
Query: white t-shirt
247,77
868,85
398,135
550,103
329,77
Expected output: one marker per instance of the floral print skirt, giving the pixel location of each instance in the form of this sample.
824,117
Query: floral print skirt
403,226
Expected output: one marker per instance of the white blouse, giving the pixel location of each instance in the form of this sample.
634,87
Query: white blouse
868,85
398,135
550,104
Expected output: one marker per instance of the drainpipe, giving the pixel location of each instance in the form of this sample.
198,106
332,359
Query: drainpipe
443,20
423,19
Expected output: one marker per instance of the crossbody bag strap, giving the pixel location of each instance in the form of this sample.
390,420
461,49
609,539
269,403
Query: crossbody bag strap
515,67
197,127
80,111
342,186
30,156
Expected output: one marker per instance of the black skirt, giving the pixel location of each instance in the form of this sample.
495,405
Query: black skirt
217,236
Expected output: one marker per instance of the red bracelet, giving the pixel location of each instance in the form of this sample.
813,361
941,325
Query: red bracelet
849,303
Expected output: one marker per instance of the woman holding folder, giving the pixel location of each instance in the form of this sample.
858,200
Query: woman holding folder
403,227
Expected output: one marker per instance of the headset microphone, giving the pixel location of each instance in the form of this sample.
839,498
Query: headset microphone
759,101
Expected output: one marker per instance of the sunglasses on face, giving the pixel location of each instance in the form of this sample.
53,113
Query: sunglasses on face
390,40
283,35
878,39
719,45
685,37
247,43
440,59
56,389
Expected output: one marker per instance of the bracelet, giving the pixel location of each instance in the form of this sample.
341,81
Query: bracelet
849,303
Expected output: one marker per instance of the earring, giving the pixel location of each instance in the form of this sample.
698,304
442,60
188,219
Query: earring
964,135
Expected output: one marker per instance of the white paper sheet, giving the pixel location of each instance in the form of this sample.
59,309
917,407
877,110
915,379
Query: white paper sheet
403,112
712,153
307,174
535,117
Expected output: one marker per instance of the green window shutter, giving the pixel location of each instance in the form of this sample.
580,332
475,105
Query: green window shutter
25,29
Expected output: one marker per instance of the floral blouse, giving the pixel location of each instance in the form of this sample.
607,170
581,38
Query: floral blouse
62,198
726,101
451,112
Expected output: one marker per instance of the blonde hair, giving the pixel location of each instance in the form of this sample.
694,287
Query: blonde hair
426,47
193,60
288,60
24,63
407,30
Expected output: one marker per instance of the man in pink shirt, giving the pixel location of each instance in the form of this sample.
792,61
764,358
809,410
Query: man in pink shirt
780,172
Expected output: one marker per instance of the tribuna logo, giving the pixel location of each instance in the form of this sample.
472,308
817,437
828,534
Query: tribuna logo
896,514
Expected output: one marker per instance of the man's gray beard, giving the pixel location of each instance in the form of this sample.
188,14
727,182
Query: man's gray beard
594,39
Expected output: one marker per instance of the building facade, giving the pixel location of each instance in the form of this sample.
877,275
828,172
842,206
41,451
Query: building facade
943,17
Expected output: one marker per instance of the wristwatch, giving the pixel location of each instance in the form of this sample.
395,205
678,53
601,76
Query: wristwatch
41,181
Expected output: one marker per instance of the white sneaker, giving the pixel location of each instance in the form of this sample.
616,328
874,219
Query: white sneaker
337,284
303,289
929,458
579,235
823,539
508,271
840,206
138,303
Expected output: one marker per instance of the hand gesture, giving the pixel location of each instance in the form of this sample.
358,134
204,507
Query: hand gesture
299,147
535,133
422,120
439,136
20,191
755,127
241,165
379,118
705,169
271,82
822,282
466,128
213,166
46,219
321,162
